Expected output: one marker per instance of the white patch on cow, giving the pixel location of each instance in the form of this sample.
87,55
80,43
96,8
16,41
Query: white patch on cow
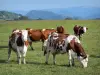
45,43
25,34
52,28
55,35
31,29
84,29
43,29
71,37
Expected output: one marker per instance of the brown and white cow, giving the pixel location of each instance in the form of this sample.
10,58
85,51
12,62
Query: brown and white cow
65,43
18,42
79,30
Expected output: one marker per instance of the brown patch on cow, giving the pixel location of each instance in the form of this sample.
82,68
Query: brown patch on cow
35,35
76,47
47,32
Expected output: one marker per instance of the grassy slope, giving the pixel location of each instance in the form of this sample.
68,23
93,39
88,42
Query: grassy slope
35,59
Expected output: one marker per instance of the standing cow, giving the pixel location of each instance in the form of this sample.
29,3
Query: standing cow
65,43
19,43
38,35
79,30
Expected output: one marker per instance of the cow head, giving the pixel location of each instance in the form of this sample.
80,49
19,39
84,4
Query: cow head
83,61
60,29
85,29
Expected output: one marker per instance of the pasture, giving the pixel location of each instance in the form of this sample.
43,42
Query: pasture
35,59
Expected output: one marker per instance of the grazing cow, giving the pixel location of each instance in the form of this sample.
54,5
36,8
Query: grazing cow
39,34
19,43
61,43
79,30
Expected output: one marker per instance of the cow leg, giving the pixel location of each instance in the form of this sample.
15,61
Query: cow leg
9,53
30,43
73,63
42,46
23,59
24,54
18,56
45,52
70,57
47,57
54,61
79,37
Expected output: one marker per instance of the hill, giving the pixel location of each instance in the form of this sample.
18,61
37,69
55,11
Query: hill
78,12
5,15
36,14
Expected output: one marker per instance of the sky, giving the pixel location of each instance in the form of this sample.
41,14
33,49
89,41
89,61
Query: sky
45,4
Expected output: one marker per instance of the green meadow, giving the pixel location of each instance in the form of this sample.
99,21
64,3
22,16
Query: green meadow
35,59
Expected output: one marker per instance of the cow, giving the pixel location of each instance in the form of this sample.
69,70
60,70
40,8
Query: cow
18,42
65,43
79,30
38,35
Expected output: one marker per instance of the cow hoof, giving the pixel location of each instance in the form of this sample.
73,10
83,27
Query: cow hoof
7,61
54,63
69,65
73,64
24,62
19,63
33,49
46,63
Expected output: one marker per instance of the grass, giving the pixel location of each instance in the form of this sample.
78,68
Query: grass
35,59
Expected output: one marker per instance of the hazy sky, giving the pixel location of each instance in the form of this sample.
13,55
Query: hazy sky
45,4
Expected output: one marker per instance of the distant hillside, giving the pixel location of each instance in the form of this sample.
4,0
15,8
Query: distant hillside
79,12
5,15
23,12
36,14
55,14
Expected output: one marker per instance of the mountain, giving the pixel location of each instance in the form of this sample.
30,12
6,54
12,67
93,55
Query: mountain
23,12
82,13
79,12
36,14
5,15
